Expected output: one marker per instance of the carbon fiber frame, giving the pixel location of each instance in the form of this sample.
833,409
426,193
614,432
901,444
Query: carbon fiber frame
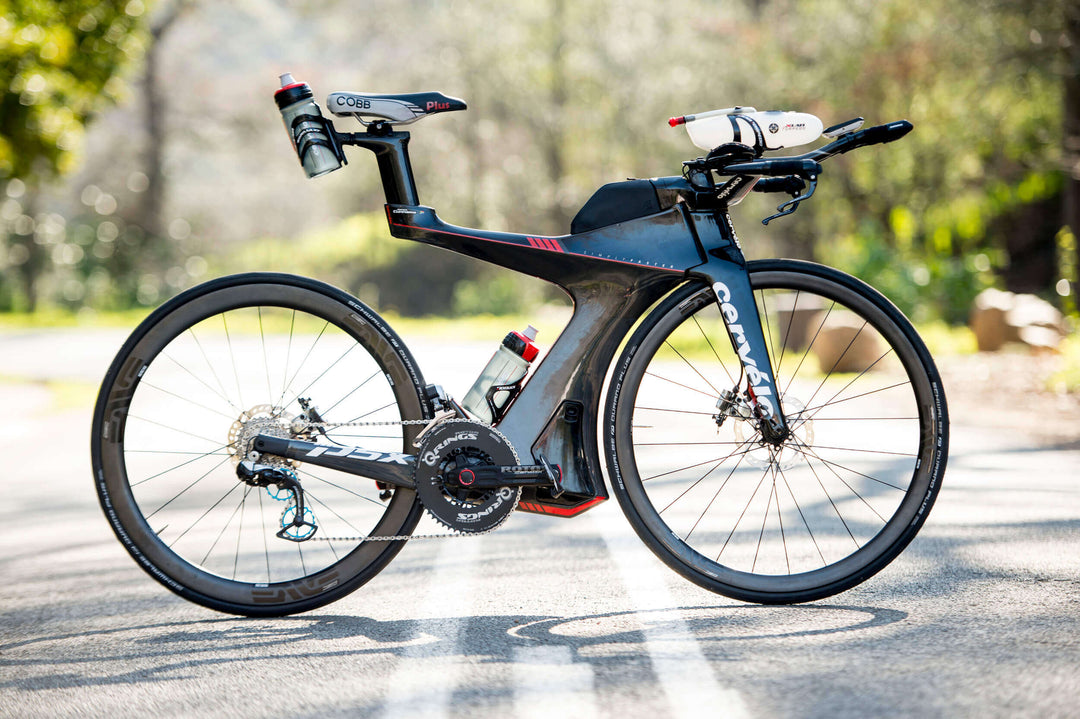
613,275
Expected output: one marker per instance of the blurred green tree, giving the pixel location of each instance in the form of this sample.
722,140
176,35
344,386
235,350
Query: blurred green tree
60,63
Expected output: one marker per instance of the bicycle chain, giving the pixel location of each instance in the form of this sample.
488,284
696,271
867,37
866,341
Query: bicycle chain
403,537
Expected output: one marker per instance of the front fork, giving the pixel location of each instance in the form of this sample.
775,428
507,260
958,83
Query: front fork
727,274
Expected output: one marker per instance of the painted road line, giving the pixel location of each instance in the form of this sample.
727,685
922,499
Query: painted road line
430,668
547,683
681,669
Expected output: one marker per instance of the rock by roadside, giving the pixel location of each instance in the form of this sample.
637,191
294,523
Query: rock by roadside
1008,390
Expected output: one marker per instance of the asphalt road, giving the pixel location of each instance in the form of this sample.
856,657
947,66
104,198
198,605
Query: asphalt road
545,617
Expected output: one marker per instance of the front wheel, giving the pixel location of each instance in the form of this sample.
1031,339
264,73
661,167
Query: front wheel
178,411
798,520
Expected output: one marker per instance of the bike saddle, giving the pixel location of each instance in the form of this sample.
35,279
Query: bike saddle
400,108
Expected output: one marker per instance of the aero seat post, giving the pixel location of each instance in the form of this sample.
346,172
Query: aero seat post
392,153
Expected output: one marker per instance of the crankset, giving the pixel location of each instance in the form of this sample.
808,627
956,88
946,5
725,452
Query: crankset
466,474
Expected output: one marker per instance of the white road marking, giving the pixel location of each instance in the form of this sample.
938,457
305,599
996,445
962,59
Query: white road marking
430,670
681,669
547,683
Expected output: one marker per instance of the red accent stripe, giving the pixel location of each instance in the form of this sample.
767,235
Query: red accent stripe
518,244
288,87
559,510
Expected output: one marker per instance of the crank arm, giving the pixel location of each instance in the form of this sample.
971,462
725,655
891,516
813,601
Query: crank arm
522,475
389,467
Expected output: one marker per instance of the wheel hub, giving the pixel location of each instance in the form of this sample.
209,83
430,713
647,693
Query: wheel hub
260,419
784,452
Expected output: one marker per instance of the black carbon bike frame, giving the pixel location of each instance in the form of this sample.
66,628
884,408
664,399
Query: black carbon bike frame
613,275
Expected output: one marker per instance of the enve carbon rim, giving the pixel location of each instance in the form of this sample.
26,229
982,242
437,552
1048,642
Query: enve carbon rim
837,576
121,384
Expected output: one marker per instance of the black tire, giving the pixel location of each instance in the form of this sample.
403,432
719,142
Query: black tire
840,499
205,369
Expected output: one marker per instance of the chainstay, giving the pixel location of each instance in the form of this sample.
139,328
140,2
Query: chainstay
406,537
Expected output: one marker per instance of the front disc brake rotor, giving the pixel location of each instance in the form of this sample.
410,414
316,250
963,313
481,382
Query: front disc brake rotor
447,449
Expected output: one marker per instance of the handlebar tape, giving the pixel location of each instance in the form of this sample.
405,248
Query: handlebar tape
872,136
775,168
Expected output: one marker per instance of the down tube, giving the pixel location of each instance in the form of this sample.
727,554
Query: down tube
557,411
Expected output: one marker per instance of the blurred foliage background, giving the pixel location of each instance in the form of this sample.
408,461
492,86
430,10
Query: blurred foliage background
141,151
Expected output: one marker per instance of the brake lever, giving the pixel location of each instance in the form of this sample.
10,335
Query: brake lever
787,208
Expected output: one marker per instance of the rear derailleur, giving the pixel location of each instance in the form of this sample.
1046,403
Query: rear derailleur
297,521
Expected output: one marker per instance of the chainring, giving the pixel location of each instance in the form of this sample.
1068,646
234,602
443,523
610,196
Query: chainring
454,445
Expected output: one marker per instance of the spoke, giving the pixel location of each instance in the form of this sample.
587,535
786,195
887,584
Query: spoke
378,409
855,419
715,353
866,451
288,356
302,363
711,396
351,392
222,532
210,366
768,332
266,546
329,543
207,474
331,510
853,491
678,411
173,451
188,400
201,517
696,483
818,408
684,444
764,519
266,361
215,453
691,366
837,362
780,521
806,451
334,364
854,379
201,381
787,332
717,494
803,516
809,347
343,489
174,429
835,508
240,531
232,358
682,469
743,514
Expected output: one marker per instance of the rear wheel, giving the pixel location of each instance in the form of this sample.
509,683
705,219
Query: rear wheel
195,383
810,516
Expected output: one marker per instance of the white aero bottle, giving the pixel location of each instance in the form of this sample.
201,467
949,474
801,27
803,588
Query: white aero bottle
768,130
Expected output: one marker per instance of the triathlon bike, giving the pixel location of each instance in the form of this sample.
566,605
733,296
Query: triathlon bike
775,431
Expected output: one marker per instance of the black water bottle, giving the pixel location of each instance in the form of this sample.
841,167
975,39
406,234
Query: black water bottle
307,127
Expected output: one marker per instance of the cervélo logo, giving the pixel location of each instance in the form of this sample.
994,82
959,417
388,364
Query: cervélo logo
747,354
